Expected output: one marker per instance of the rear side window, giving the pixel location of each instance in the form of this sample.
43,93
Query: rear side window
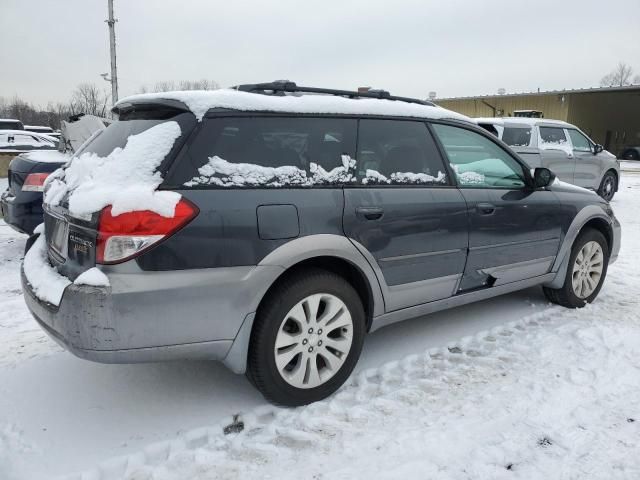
398,152
271,152
477,161
517,137
552,135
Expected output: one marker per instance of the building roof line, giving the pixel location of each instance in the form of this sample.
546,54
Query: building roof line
547,92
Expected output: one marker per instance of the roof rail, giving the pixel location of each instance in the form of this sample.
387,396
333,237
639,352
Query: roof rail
280,87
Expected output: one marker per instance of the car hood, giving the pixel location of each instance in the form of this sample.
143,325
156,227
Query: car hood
560,186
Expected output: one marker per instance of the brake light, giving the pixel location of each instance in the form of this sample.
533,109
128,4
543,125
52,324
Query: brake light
127,235
34,182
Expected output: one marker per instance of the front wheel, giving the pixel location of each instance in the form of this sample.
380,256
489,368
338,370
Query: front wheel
307,338
586,271
608,186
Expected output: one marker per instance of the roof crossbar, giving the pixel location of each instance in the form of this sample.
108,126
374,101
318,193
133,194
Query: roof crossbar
280,87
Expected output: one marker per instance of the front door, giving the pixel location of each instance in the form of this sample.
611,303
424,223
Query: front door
514,230
588,166
556,153
405,213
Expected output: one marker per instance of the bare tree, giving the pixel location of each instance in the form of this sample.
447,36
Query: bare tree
89,99
619,77
169,85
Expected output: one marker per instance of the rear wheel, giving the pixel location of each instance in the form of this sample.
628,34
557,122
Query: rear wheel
307,338
608,186
586,271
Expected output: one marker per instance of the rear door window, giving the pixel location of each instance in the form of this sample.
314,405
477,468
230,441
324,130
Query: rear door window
398,152
271,152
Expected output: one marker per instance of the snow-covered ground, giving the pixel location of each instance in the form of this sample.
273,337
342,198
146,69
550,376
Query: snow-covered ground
507,388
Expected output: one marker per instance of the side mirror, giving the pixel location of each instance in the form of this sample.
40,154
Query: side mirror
597,148
543,177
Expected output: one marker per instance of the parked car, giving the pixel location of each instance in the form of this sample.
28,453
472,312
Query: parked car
21,203
631,153
39,129
561,147
271,230
21,140
11,124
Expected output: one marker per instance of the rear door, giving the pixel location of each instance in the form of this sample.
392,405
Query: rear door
514,230
405,213
588,166
556,153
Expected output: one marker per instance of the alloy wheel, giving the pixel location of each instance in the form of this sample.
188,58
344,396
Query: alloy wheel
313,341
587,269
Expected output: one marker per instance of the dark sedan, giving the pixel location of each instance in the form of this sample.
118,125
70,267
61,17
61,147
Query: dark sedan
21,203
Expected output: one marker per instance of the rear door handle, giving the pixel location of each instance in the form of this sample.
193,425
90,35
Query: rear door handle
486,209
369,213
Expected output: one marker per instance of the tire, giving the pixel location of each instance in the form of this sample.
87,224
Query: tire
608,186
567,296
309,375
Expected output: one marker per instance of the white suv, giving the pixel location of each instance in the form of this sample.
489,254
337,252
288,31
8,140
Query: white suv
562,148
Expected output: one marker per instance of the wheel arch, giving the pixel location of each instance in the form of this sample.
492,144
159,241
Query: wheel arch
334,253
591,216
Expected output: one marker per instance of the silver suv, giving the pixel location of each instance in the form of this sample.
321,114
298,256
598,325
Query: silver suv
562,148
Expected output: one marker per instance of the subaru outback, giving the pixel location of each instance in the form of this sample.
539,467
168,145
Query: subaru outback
271,226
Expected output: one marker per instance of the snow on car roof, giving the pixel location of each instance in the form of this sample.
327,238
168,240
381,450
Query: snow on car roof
200,102
9,120
521,120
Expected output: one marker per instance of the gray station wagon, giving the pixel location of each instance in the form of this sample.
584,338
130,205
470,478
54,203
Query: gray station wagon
561,147
304,218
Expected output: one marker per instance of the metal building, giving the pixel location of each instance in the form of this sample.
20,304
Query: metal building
609,115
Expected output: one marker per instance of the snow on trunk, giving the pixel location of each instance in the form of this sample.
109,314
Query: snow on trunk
127,178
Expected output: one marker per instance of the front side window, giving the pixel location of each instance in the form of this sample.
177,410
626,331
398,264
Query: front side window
580,142
517,137
272,152
552,136
477,161
392,152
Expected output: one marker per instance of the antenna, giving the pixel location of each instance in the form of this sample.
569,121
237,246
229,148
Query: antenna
111,22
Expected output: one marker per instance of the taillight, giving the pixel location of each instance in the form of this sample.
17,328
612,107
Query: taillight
127,235
34,182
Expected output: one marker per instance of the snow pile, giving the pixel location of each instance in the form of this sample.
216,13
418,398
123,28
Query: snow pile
92,277
220,172
467,177
199,102
47,284
375,177
226,174
126,179
341,174
47,156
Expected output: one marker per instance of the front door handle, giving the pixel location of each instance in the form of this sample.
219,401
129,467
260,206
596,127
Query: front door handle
486,208
369,213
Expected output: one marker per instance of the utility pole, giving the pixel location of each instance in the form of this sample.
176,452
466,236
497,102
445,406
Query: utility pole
111,22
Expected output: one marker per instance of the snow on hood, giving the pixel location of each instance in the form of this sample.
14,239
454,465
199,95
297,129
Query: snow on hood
126,179
199,102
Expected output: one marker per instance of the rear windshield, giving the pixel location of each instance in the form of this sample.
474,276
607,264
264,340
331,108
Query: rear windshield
517,137
134,123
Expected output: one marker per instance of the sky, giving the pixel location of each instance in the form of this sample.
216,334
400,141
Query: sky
409,47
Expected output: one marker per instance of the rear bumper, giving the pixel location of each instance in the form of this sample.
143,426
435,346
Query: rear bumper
22,216
153,316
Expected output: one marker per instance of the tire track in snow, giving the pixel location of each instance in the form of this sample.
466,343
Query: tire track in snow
437,384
